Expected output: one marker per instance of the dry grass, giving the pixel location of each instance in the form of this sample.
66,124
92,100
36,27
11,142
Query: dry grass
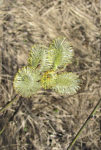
28,22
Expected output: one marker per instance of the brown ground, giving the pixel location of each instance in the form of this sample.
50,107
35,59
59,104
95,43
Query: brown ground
27,22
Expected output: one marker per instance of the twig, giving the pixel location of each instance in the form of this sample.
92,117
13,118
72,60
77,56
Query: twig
81,129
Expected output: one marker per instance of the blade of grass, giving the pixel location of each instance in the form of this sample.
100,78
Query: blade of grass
8,104
81,129
11,118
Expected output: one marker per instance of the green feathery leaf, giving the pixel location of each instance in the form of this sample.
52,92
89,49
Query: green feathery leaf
35,56
39,58
66,83
26,82
62,52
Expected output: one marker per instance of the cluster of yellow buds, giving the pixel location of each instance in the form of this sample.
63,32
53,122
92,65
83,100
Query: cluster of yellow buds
44,63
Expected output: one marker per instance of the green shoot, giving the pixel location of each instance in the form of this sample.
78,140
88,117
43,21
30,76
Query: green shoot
42,71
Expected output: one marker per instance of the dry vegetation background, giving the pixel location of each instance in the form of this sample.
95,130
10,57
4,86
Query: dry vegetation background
27,22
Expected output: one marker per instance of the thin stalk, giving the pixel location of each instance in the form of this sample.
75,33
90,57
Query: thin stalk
16,96
11,118
77,135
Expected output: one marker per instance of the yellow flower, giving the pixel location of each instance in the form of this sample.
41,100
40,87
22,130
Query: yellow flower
48,79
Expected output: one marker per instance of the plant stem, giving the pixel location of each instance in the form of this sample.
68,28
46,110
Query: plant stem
11,118
16,96
77,135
